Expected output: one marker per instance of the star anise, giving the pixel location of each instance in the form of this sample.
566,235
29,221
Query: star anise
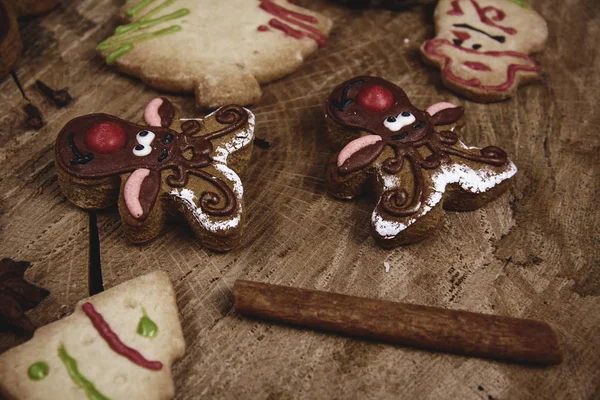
17,296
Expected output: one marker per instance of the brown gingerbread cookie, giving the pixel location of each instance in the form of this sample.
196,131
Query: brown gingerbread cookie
412,159
172,167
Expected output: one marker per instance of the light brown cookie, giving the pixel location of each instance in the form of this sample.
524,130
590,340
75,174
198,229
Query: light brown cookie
186,167
411,159
220,50
482,47
119,344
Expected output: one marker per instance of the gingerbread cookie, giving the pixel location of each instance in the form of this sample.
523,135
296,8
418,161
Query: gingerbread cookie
412,159
173,166
221,50
119,344
482,46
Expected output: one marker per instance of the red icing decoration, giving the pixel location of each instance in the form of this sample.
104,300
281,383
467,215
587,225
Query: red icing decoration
456,10
461,35
114,342
375,98
293,18
477,66
263,28
433,48
499,16
105,137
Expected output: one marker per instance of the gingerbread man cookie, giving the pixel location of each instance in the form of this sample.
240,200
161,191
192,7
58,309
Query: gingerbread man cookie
412,159
221,50
184,166
482,46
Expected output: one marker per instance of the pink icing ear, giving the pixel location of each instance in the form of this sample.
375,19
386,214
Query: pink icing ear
151,112
355,146
437,107
131,192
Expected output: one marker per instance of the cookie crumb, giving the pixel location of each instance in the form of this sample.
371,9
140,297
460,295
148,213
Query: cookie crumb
387,266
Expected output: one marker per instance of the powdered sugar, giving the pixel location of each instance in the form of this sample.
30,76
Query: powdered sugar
221,153
469,179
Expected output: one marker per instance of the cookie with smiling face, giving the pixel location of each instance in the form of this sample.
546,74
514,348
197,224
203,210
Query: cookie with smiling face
186,167
412,159
121,343
220,50
482,47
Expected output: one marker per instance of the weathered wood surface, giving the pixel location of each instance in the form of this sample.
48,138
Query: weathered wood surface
531,254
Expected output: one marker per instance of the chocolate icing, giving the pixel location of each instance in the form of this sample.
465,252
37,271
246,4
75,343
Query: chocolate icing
168,153
405,142
166,112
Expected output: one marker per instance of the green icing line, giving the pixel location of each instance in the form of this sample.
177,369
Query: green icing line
112,57
146,327
142,23
521,3
38,371
71,364
135,9
123,41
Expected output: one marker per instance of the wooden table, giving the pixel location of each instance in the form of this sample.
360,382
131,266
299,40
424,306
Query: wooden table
533,253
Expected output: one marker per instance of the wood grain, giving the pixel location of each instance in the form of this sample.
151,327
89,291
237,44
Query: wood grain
530,254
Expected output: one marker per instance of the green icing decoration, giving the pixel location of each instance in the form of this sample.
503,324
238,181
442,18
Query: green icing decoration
521,3
71,364
146,327
122,40
38,371
135,9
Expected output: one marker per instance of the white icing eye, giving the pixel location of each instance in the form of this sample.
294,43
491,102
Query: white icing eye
140,150
145,137
403,119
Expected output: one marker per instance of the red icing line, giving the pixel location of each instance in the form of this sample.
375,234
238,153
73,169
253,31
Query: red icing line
432,49
114,342
263,28
456,10
477,66
292,17
288,30
500,15
279,11
460,35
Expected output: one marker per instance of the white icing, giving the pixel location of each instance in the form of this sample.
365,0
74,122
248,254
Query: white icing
399,122
222,152
143,148
469,179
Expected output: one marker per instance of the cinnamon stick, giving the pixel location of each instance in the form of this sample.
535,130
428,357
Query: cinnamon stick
439,329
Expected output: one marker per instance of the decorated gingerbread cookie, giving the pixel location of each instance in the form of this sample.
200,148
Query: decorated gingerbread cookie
412,159
221,50
482,47
119,344
172,166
